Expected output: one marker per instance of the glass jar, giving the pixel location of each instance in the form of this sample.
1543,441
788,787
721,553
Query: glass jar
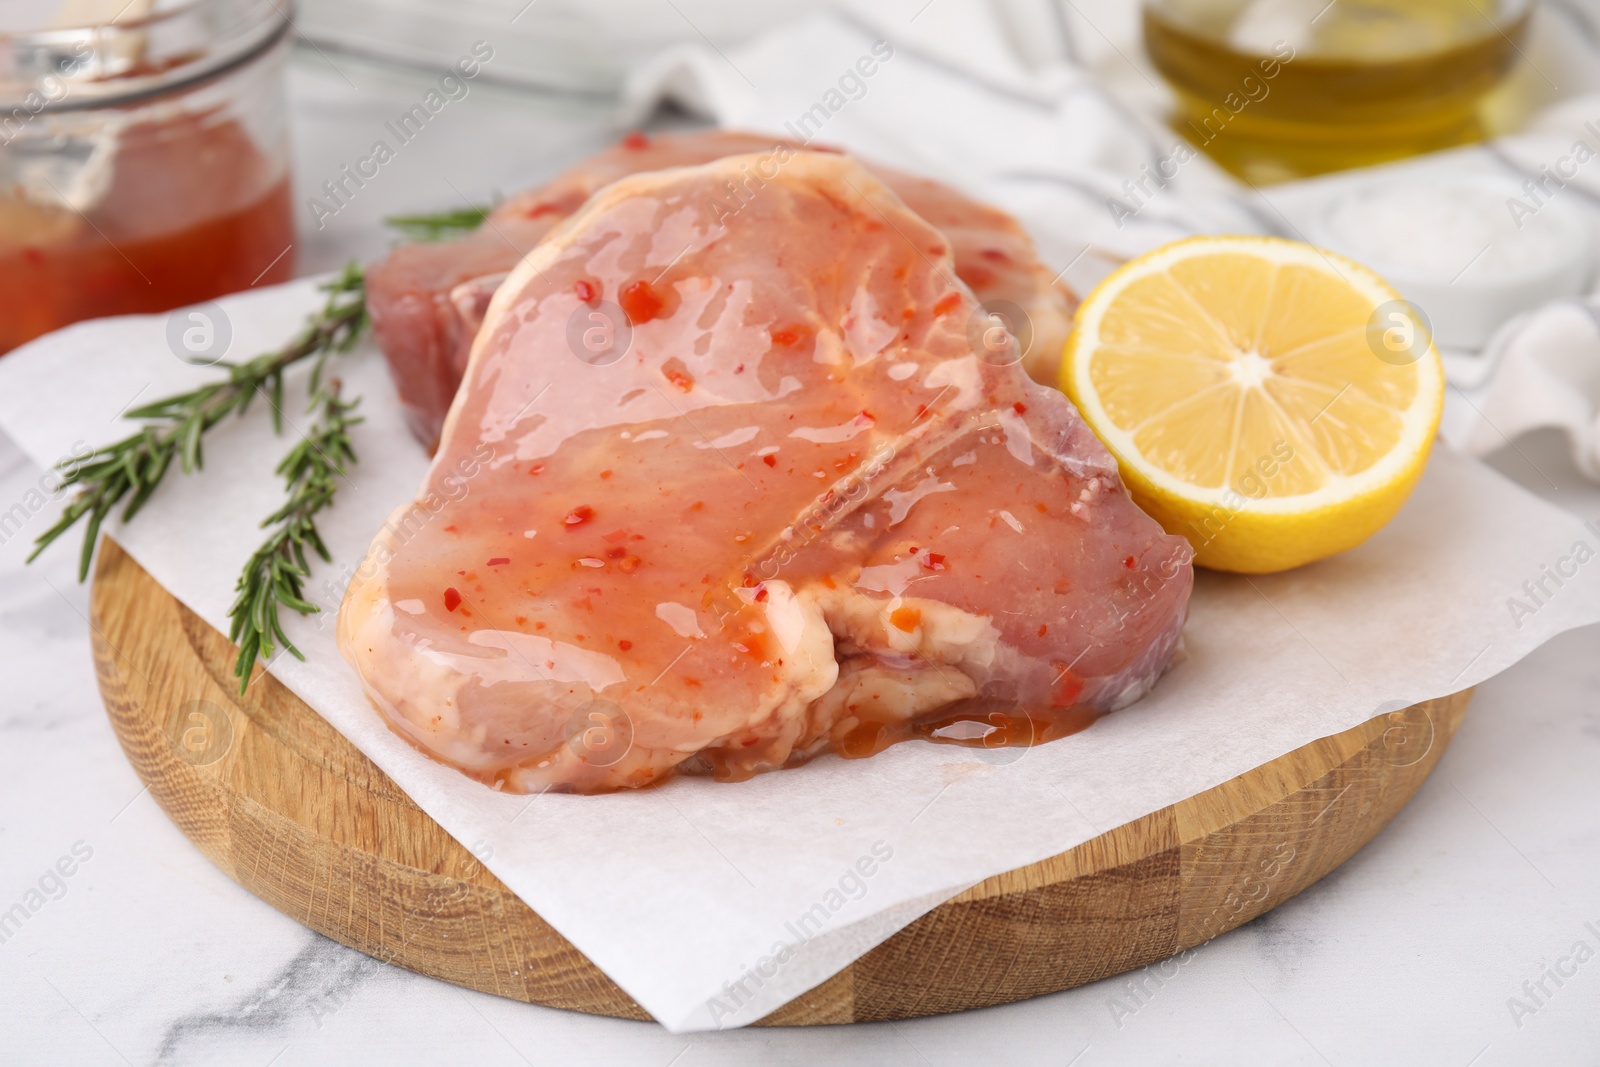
1279,89
143,163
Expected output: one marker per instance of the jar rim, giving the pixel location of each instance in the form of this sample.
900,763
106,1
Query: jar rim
76,67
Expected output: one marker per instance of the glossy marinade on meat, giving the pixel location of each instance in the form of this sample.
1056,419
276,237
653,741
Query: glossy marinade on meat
777,504
427,300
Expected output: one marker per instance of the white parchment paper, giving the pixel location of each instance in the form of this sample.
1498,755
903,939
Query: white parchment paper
713,904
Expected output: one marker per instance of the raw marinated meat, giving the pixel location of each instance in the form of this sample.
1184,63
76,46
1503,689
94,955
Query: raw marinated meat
428,299
726,489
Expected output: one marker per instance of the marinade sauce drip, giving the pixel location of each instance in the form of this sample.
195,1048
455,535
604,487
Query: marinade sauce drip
190,211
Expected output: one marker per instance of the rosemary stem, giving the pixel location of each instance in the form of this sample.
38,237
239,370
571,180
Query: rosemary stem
174,427
127,472
273,577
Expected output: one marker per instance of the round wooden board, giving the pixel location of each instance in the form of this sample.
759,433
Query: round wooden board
295,814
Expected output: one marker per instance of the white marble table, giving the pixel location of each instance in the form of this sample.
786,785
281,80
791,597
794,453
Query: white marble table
147,954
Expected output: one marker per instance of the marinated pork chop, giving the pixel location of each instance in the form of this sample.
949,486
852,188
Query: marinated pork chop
427,300
722,491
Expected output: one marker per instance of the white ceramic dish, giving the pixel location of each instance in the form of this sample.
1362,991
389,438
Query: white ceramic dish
1515,268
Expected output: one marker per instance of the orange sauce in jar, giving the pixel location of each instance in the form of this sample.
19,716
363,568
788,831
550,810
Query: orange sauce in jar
191,209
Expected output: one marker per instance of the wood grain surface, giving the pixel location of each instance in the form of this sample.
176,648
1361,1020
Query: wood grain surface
276,798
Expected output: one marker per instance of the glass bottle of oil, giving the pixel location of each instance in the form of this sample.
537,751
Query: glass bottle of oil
1277,89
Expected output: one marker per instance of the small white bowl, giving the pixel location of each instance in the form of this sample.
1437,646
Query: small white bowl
1451,244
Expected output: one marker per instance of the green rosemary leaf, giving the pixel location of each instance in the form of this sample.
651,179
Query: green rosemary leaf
96,517
442,226
277,401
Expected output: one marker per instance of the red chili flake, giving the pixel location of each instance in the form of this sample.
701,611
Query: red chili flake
624,645
933,561
640,302
587,291
616,553
1020,408
947,303
452,599
521,620
450,529
1039,506
615,537
629,564
544,207
579,515
1064,692
790,335
681,378
636,141
752,740
770,460
537,468
499,561
1063,588
1129,563
761,594
604,475
1043,630
905,619
697,505
994,255
922,409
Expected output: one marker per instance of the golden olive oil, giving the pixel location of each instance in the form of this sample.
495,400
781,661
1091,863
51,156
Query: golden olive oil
1278,89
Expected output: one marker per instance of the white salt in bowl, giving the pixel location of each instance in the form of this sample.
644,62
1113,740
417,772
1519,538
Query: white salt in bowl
1469,250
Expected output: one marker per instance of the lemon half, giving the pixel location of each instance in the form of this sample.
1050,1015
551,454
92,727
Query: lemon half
1273,402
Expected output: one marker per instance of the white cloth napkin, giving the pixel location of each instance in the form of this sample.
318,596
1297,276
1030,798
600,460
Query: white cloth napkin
1546,374
1052,112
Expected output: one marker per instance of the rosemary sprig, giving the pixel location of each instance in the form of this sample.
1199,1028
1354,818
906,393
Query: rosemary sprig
272,579
175,426
442,225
